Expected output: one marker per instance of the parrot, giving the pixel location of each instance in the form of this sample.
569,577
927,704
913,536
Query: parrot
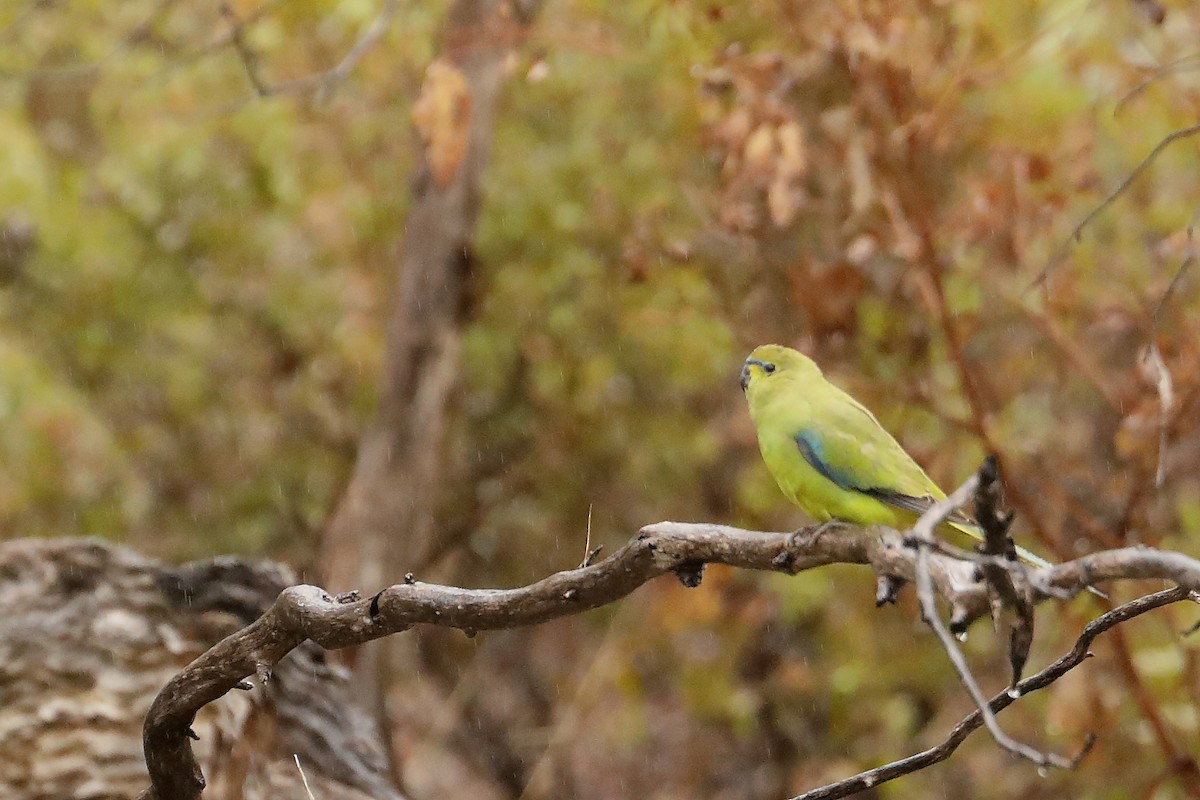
830,455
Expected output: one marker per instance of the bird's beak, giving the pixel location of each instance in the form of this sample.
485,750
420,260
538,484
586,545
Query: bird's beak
745,376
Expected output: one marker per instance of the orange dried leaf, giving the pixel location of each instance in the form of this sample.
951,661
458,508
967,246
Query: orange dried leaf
793,156
782,200
760,147
734,129
442,115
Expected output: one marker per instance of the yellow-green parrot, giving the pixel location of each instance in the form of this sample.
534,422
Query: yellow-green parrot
829,454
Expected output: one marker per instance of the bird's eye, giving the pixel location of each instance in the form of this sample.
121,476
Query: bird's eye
768,368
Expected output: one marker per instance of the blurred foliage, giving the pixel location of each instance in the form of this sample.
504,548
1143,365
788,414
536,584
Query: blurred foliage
194,286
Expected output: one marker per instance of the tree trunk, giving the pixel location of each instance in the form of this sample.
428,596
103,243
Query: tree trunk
383,525
90,633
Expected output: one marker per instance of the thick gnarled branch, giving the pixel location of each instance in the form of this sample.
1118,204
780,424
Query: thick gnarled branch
307,612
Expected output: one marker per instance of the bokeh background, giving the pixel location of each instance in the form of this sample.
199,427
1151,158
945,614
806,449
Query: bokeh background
196,283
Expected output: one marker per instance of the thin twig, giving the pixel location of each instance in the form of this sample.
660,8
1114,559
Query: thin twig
1156,315
1077,233
216,44
323,83
1170,68
326,83
374,32
303,777
138,34
973,721
249,57
1162,375
589,552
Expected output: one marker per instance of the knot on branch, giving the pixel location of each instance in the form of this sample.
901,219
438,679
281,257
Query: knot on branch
887,589
690,573
994,519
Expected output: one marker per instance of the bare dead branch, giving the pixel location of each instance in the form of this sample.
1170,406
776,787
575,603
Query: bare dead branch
1003,571
307,612
973,721
188,56
1181,64
327,82
1142,166
1187,262
997,540
972,385
140,33
249,57
323,83
1155,364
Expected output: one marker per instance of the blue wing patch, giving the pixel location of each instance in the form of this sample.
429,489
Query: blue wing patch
809,442
811,448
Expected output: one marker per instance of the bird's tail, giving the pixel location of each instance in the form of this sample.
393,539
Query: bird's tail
975,532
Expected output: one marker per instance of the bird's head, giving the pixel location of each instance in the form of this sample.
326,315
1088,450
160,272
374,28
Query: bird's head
774,362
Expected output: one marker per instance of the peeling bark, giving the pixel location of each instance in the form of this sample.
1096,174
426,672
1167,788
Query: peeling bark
91,632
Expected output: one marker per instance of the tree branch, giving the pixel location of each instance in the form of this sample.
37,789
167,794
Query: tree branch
1181,64
1067,662
307,612
984,487
323,83
1114,195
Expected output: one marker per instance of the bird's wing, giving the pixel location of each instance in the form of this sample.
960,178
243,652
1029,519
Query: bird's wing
848,446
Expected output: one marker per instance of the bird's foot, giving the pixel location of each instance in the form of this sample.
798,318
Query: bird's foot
799,541
812,534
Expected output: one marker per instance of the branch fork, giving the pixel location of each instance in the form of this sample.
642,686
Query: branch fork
1003,593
